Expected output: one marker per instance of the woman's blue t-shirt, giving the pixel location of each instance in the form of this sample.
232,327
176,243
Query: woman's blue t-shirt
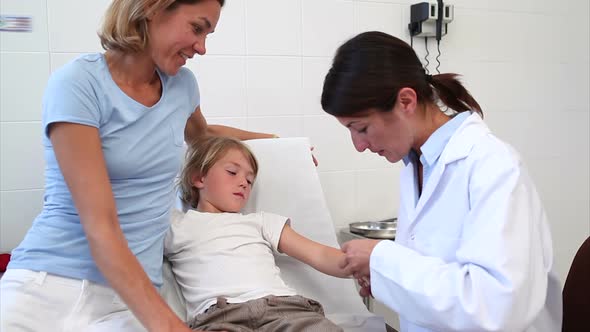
142,150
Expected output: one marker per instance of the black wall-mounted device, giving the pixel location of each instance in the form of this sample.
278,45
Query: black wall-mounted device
430,19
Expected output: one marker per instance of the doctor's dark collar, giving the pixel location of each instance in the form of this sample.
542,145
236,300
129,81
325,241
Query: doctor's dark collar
411,157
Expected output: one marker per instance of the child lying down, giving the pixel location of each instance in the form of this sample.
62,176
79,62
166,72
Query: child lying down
223,260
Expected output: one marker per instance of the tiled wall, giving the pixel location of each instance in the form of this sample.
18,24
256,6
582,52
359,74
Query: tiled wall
526,61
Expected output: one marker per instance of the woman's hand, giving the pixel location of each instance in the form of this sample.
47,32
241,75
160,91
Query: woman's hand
358,256
315,161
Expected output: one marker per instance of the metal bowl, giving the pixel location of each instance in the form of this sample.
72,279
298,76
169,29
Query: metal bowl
375,229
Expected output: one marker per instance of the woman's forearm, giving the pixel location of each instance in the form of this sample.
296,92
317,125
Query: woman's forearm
126,276
219,130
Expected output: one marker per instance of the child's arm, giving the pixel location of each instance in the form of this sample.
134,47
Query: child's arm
321,257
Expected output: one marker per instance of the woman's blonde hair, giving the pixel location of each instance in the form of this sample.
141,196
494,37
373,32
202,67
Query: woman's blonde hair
125,24
201,155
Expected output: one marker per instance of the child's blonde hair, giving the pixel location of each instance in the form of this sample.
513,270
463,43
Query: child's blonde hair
201,155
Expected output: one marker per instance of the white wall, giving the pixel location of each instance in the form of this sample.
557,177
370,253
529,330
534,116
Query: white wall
526,61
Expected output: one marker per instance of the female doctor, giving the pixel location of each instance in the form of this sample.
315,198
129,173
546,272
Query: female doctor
473,248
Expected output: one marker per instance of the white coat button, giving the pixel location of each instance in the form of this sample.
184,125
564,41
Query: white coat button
412,237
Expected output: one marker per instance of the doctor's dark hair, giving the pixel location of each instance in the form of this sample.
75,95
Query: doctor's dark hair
125,23
201,155
369,70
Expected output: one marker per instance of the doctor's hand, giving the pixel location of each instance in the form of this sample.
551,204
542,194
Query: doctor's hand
357,257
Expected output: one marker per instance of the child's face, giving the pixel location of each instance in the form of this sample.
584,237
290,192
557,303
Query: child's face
226,187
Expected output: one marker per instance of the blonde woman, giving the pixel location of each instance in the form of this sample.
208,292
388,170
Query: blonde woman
114,124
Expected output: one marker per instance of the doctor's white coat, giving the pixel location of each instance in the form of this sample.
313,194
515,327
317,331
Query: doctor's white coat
474,252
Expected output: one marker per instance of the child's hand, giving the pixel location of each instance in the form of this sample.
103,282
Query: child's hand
365,284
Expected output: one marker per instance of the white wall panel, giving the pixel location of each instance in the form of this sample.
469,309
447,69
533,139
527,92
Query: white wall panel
383,17
340,190
73,25
17,212
274,27
21,94
314,72
326,25
21,156
377,194
222,84
229,37
274,86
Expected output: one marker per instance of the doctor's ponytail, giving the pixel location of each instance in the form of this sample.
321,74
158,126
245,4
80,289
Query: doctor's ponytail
453,94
